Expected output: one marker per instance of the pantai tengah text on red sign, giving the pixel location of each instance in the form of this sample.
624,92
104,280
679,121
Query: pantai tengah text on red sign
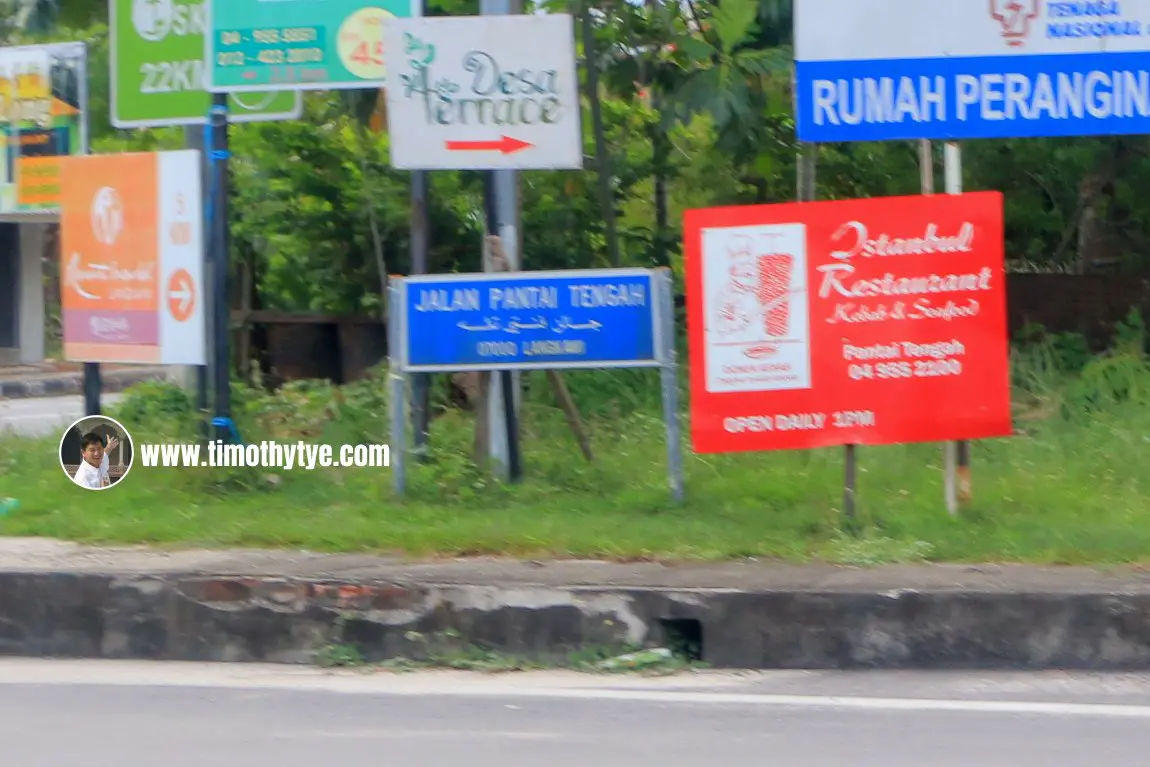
850,322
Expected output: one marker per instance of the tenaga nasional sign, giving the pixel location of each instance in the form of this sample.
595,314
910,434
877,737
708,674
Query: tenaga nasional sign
873,70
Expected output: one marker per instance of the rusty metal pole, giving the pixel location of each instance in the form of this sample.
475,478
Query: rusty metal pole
956,455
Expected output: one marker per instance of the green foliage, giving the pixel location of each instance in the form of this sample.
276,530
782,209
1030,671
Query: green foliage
1056,373
1116,380
869,550
696,101
1069,487
317,411
339,656
1048,355
165,409
446,649
1130,333
27,17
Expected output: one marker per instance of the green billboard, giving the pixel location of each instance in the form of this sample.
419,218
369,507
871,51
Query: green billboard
157,69
286,45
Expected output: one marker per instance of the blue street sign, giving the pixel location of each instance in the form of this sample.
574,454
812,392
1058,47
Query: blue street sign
876,70
602,318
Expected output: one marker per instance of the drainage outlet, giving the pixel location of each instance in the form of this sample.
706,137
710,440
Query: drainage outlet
684,637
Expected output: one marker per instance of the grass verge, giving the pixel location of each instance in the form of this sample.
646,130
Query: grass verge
1070,487
445,650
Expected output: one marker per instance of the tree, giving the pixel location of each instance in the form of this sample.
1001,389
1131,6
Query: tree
743,87
34,17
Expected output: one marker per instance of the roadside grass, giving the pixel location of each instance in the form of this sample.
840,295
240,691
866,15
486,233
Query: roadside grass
1071,487
447,650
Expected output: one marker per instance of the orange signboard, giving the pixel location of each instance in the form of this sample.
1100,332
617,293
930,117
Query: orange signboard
108,234
131,258
38,181
112,352
110,257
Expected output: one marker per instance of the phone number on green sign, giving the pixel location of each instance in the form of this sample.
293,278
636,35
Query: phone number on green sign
271,57
271,36
271,47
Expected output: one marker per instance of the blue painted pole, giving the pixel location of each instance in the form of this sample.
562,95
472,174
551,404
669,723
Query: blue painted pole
218,218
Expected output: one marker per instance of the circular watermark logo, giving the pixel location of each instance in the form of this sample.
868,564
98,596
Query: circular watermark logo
96,452
107,215
152,18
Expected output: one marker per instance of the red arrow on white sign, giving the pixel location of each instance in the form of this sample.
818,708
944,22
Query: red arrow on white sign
503,145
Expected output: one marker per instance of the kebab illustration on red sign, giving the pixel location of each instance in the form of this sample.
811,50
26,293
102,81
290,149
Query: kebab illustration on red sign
757,293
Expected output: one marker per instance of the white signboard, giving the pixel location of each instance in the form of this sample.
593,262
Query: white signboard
870,70
179,214
757,307
483,93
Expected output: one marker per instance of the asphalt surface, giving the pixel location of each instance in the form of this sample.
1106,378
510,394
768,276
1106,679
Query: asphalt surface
44,416
112,714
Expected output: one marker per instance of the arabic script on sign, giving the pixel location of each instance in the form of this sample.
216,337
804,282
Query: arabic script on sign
514,325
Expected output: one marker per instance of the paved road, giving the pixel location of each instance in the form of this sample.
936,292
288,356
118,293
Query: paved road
103,714
44,416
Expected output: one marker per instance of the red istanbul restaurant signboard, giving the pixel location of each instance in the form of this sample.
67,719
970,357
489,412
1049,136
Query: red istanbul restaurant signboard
861,322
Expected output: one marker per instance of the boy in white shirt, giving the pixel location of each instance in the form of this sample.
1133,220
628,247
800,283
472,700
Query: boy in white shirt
93,471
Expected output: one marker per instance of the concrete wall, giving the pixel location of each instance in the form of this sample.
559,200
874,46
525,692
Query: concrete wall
176,615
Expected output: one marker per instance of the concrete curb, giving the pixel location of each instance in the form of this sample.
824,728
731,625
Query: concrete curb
71,384
197,617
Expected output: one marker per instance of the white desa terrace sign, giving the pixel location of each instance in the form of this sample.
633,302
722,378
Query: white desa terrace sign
483,93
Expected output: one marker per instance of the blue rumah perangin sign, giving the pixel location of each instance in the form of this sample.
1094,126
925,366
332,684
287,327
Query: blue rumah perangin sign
531,320
875,70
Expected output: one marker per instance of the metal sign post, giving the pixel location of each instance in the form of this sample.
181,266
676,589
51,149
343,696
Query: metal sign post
397,384
669,378
956,455
221,309
502,414
420,234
